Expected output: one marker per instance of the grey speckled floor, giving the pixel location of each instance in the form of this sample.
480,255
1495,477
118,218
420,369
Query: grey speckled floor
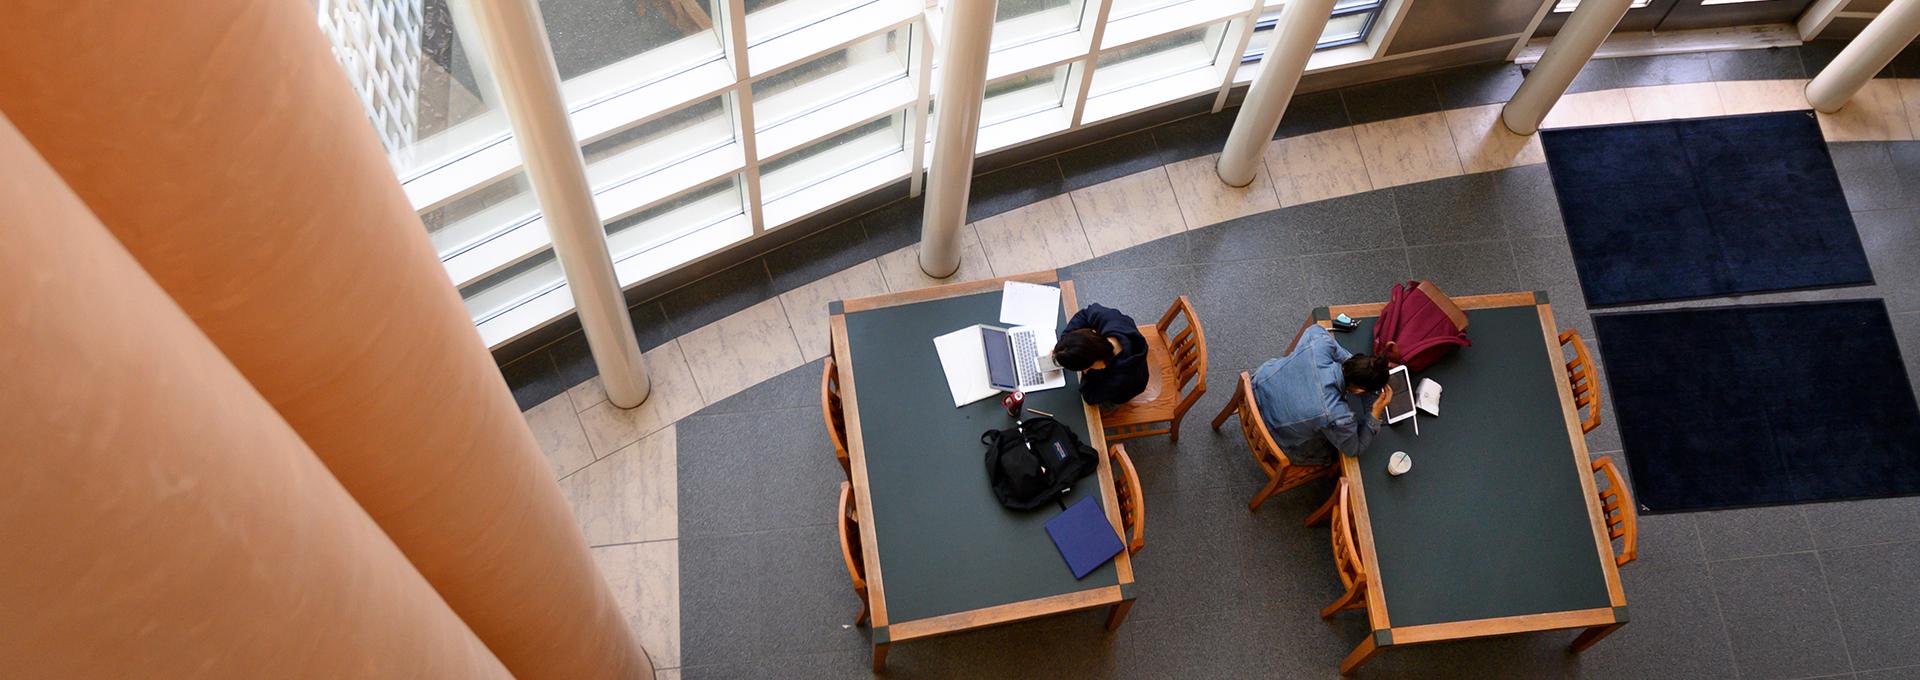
1821,590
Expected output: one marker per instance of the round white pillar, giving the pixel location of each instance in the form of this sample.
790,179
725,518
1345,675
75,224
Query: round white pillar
1576,42
515,42
1865,55
963,82
1294,37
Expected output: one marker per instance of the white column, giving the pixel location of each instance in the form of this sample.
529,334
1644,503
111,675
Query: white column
963,82
1576,42
1301,23
1865,55
515,41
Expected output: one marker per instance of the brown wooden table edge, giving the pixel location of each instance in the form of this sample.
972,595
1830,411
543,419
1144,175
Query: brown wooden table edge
1582,461
856,450
1096,429
942,292
1007,613
1524,623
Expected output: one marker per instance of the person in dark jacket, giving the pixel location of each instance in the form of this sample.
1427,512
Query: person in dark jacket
1107,349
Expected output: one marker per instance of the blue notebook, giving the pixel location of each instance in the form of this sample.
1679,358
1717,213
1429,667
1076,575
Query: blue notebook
1084,536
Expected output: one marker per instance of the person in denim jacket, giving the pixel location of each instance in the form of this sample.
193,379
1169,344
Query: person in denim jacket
1303,398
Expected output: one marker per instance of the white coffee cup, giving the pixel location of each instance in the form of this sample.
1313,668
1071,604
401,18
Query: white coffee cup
1399,463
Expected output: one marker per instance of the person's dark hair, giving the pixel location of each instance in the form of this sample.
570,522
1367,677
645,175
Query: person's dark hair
1079,348
1365,371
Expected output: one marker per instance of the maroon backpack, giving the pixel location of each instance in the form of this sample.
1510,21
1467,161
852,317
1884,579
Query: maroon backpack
1418,326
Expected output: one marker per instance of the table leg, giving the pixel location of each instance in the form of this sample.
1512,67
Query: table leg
1360,656
880,656
1117,614
1593,635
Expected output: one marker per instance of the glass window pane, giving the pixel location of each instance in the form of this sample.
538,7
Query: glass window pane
1568,5
1126,8
476,217
513,286
659,143
1345,29
769,19
677,216
832,156
422,87
1018,22
1152,60
589,35
1023,95
859,67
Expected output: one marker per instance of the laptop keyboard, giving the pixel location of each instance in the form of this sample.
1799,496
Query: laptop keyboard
1026,358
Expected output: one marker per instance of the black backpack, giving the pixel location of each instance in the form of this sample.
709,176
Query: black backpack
1036,462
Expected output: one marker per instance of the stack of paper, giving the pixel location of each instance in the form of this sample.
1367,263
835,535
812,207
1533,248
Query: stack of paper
965,364
1027,304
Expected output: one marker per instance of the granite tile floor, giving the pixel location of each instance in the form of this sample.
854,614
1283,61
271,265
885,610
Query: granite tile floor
746,580
1785,592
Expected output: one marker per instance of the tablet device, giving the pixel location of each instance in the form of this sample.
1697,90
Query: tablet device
1400,407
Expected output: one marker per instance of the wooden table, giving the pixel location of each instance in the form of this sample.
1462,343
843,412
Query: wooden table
941,554
1496,529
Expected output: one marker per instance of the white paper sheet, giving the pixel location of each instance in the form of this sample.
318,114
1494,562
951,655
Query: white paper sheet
964,361
1026,304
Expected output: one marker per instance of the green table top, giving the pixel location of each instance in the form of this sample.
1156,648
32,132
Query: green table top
945,544
1492,520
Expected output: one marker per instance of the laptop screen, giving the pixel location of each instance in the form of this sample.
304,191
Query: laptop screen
1000,373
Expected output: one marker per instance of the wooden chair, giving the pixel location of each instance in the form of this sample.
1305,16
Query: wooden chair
836,418
1583,380
850,549
1176,377
1616,504
1133,504
1282,474
1346,551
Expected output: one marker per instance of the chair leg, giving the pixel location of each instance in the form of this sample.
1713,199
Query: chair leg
1174,435
1272,486
1346,601
861,619
1232,406
1324,512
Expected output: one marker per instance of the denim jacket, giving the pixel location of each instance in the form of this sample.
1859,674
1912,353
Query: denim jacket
1303,398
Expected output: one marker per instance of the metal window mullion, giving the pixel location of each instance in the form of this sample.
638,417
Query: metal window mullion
1238,56
1097,34
916,132
735,43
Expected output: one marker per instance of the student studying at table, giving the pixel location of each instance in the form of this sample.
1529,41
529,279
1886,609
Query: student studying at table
1303,398
1106,347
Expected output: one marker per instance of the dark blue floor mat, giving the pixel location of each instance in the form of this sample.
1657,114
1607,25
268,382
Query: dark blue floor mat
1712,206
1736,406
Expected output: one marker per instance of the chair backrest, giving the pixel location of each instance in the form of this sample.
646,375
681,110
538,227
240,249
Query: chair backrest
1616,504
1259,440
835,416
1582,378
1133,504
849,523
1188,347
1346,539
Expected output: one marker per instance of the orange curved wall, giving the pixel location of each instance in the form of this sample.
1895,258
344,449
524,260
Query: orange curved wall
220,142
159,518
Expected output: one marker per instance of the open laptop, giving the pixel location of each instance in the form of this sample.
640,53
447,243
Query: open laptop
1018,358
981,361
